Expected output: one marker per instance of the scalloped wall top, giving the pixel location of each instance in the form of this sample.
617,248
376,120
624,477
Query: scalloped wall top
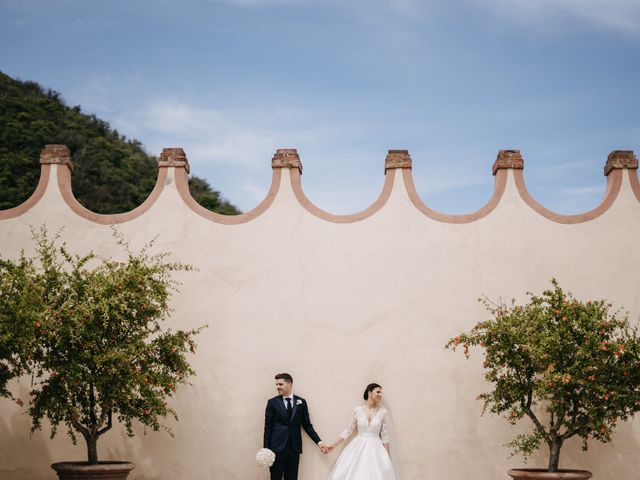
176,159
373,300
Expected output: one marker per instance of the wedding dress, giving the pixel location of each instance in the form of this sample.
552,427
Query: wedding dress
365,457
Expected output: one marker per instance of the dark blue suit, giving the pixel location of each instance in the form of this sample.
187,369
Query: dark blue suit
283,436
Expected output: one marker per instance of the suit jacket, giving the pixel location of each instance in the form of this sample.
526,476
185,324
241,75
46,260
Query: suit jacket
278,429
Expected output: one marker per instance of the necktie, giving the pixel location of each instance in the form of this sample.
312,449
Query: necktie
289,409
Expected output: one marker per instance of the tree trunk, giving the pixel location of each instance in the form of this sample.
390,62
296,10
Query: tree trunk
554,454
92,449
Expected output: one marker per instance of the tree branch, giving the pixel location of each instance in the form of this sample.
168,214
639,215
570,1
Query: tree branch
560,421
570,428
109,424
92,409
538,425
78,426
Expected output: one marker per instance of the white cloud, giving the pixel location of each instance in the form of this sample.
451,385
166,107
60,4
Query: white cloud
248,136
545,168
208,135
445,181
258,3
345,179
622,15
255,193
589,191
405,7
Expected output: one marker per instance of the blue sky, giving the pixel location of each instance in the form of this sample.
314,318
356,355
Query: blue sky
344,81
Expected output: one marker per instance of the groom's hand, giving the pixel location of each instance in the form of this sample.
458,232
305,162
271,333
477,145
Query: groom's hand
323,448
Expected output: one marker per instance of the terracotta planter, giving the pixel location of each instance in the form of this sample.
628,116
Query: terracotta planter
85,471
542,474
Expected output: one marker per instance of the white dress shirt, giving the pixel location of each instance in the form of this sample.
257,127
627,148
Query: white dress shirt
284,399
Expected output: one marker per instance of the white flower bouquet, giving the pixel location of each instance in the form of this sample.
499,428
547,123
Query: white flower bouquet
265,457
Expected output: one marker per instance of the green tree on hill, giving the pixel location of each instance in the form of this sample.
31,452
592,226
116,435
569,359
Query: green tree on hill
112,174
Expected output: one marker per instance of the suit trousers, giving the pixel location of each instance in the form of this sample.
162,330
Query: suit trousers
286,464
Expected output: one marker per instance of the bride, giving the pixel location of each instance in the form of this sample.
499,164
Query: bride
367,455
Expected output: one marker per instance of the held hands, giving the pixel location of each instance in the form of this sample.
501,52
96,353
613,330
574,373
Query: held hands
326,448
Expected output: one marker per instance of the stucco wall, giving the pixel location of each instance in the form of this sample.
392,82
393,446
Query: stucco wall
340,301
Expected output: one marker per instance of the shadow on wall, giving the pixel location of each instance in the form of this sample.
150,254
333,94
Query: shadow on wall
613,459
28,456
468,433
606,461
156,454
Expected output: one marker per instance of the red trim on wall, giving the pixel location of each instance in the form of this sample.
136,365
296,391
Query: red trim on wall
64,183
182,184
633,179
45,173
499,187
614,183
296,185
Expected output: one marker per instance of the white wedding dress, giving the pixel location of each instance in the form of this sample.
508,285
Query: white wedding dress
365,457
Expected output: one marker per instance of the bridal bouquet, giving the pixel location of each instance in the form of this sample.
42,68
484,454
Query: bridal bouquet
265,457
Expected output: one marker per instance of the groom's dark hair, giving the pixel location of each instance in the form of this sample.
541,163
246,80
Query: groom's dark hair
284,376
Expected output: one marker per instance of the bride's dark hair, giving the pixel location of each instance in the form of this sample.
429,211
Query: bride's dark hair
370,388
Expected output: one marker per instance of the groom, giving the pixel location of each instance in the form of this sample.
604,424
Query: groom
284,416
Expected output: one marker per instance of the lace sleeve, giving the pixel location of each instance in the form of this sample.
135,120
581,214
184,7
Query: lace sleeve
384,429
351,426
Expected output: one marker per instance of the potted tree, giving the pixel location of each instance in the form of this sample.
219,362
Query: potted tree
571,367
16,318
89,333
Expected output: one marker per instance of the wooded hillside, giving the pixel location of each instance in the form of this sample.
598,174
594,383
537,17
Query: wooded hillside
111,174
